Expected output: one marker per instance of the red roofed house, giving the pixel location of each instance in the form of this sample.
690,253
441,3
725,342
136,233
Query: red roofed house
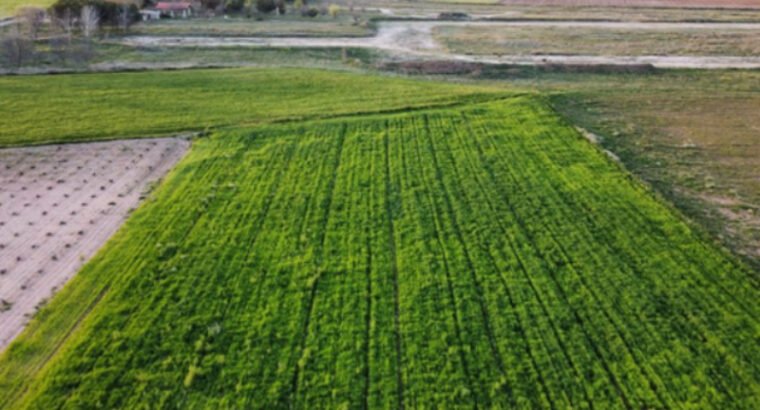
174,9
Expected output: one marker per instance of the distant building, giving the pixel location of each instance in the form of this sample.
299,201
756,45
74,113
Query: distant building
175,9
148,15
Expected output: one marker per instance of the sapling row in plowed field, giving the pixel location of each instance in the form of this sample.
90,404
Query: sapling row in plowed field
485,255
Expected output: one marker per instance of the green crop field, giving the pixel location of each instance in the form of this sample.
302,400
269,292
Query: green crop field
66,108
8,7
480,255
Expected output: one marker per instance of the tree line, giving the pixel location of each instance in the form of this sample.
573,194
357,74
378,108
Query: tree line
62,33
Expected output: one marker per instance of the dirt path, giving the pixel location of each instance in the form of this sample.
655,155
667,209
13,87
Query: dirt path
58,205
414,39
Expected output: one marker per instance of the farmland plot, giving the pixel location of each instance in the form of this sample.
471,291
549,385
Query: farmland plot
58,205
485,255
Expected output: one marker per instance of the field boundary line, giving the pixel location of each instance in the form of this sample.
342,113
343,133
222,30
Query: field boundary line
367,317
35,370
202,131
463,100
738,261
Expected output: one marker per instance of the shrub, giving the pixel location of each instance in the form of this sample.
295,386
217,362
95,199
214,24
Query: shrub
233,6
334,10
107,11
266,6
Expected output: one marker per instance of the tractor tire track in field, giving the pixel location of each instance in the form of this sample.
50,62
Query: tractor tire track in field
602,307
485,315
367,345
508,291
521,224
567,200
437,228
527,276
704,333
367,316
613,378
394,267
319,257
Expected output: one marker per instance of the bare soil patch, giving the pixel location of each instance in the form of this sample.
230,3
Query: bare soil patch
58,205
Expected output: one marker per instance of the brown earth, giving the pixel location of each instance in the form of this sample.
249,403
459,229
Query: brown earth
58,205
755,4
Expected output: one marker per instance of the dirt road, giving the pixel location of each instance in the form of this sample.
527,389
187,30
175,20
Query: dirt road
414,39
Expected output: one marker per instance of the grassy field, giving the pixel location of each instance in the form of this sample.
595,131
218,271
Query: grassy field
595,41
692,135
275,26
328,58
44,109
8,7
713,4
485,254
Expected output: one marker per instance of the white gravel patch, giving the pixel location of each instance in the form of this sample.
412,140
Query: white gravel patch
58,205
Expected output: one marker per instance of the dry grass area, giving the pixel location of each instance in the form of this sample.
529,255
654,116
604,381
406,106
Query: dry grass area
695,136
641,3
716,144
598,41
566,10
58,205
276,26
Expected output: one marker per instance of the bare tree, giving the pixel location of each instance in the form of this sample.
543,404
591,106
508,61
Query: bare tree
124,17
16,48
89,21
32,19
65,22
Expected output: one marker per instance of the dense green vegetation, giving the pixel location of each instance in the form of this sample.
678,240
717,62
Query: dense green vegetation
485,254
290,25
44,109
8,7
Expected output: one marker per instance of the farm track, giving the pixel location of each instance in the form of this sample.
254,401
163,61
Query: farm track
415,40
483,255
